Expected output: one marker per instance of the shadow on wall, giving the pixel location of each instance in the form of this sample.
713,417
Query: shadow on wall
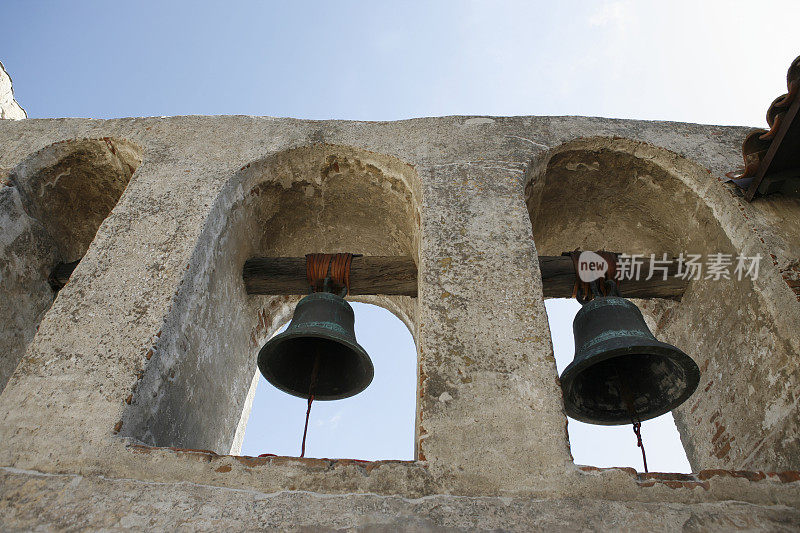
630,197
312,199
52,205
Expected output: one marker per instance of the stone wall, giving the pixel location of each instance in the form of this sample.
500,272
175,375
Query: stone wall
110,393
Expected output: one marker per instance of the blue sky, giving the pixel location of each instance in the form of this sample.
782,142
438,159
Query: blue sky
717,62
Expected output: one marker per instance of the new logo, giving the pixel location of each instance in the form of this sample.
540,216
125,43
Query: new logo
591,267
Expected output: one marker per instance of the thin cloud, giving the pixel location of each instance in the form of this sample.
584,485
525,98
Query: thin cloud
611,13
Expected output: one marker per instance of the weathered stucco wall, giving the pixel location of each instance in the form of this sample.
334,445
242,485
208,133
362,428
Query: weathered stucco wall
62,502
53,203
123,361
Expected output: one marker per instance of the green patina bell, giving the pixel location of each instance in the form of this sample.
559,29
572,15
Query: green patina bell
621,372
319,347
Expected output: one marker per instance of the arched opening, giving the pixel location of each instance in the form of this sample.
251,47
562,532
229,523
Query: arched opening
312,199
630,197
53,204
373,425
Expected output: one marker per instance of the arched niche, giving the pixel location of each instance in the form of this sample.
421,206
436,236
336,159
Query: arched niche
626,196
318,198
53,203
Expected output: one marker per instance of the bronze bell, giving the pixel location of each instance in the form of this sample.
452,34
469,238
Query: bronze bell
621,372
318,348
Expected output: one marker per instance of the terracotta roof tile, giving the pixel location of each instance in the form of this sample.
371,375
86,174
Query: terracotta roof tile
775,152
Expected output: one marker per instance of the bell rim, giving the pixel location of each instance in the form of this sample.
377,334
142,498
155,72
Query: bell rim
272,345
648,347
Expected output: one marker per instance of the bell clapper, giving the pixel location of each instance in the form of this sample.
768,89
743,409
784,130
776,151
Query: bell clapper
311,387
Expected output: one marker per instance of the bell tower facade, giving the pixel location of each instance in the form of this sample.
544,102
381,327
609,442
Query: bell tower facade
130,366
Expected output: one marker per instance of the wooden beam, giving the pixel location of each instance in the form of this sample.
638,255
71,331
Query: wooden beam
368,275
61,274
558,278
398,276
